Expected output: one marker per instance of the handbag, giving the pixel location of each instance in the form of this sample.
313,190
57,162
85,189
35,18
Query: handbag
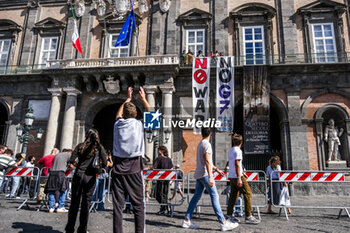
284,198
96,161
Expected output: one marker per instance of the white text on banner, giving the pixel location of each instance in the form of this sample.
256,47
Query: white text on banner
225,93
200,90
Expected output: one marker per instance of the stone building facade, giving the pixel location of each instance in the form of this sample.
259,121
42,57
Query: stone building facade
304,44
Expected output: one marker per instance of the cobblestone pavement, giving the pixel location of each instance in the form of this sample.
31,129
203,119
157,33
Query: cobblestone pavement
302,220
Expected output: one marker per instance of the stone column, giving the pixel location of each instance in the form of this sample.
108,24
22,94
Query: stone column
167,96
69,117
298,138
52,124
150,95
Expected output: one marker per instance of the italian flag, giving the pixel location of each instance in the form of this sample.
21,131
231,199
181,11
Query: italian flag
76,39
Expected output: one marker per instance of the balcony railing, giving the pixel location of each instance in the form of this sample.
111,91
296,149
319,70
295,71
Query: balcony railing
174,60
114,62
278,59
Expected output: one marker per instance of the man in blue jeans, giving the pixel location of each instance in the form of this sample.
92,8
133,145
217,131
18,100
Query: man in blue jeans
205,180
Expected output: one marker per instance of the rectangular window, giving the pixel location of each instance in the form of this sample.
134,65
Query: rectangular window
324,42
48,49
254,46
195,41
4,54
122,51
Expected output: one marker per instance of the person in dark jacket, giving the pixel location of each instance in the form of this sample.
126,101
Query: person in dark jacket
84,179
162,187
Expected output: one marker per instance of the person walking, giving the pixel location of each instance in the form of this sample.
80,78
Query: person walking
238,181
128,150
162,186
84,179
276,189
57,181
204,180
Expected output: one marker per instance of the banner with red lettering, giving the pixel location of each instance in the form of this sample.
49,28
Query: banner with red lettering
225,104
200,90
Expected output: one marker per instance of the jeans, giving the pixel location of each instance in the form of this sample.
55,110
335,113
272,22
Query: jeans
61,200
200,185
15,183
1,178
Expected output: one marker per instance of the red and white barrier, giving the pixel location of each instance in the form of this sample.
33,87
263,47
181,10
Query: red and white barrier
159,175
312,176
20,171
251,176
69,173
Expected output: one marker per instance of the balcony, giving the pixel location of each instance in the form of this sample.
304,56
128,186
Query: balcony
174,60
275,59
114,62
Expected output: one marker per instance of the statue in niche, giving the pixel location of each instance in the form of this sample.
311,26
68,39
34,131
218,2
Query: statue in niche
331,136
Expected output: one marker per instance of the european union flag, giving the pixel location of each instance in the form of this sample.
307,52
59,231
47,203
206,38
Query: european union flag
125,35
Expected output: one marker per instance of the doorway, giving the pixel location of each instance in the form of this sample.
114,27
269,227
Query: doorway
259,161
104,123
3,126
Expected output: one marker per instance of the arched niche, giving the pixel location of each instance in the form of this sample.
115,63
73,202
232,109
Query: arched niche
341,118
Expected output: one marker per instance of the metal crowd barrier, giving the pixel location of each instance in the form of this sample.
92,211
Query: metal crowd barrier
23,175
103,177
69,175
314,178
257,177
158,175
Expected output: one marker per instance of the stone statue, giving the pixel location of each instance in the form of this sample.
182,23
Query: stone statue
331,136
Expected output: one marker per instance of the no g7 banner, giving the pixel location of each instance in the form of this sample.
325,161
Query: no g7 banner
225,93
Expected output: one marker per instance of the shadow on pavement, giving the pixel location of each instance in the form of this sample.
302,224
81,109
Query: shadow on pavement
30,227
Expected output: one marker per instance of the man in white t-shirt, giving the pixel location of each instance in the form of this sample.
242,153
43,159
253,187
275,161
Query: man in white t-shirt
204,180
238,181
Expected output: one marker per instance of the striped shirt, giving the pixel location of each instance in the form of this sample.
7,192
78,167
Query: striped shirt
6,161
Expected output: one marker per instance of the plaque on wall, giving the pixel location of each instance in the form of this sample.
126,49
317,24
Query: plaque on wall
41,108
256,110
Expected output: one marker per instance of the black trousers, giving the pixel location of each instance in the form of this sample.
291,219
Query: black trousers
131,184
83,187
162,188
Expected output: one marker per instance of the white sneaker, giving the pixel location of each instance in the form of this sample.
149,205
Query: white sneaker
62,210
51,211
228,225
189,224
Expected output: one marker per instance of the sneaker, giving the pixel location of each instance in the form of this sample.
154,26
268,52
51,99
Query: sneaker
62,210
7,196
51,210
252,220
234,219
228,225
189,224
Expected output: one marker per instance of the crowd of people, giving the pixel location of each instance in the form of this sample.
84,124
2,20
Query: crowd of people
90,160
187,58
